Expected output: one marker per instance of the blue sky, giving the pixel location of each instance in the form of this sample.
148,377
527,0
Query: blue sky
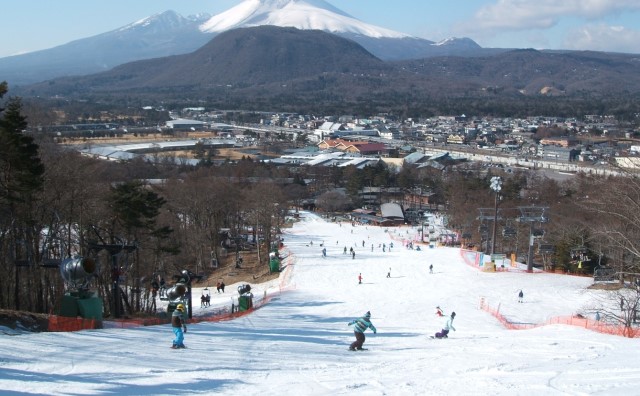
603,25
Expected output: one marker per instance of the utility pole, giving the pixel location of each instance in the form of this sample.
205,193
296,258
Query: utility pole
496,185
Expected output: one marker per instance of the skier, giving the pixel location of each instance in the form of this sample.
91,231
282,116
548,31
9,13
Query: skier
448,326
353,254
389,273
520,296
179,325
360,278
324,252
431,268
361,324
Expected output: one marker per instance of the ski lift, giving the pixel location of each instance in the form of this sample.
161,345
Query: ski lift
580,253
546,248
509,232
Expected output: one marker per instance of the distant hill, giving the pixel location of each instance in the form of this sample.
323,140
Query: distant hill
531,72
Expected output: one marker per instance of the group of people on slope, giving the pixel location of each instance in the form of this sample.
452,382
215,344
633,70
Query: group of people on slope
361,324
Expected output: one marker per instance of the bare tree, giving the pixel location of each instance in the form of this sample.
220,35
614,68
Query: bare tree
618,307
332,201
615,207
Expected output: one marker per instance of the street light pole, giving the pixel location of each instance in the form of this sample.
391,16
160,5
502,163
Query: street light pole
496,185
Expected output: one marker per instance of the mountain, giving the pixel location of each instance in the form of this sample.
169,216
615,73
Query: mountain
319,15
245,57
160,35
301,14
169,33
264,62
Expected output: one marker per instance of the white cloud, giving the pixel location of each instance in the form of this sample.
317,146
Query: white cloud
601,37
542,14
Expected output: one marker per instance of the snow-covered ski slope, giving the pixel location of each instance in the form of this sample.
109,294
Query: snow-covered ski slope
297,343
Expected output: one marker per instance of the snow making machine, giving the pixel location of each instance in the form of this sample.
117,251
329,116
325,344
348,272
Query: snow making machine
78,299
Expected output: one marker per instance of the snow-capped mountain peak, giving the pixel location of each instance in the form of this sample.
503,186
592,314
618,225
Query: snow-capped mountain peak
166,19
301,14
458,41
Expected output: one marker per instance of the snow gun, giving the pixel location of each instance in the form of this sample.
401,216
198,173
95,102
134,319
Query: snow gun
77,271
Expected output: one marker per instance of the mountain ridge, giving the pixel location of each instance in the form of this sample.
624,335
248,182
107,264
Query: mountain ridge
268,61
169,33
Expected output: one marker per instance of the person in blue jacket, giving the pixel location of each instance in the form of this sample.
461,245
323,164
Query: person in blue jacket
359,326
448,326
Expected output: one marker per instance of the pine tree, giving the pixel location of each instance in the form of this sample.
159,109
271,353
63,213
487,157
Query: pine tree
21,170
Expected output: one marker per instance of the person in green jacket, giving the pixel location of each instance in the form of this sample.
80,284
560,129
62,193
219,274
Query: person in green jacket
359,326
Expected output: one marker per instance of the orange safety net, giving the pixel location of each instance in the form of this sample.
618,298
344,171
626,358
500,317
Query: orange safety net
593,325
63,323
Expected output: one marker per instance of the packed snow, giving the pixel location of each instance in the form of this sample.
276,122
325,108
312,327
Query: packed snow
297,344
301,14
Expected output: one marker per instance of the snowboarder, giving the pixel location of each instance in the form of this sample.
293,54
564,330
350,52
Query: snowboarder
353,254
179,325
431,268
389,273
345,250
439,311
361,324
520,296
448,326
360,278
324,252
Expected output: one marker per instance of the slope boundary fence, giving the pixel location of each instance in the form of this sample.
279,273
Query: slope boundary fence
593,325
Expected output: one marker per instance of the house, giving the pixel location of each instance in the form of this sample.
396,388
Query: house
418,199
358,147
565,141
455,139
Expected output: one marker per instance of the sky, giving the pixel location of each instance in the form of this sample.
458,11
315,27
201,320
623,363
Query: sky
297,343
602,25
